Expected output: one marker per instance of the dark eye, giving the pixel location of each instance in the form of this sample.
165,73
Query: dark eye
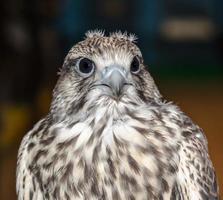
135,65
85,67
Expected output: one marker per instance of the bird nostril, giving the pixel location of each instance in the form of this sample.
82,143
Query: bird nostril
105,71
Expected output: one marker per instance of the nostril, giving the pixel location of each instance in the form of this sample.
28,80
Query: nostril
105,71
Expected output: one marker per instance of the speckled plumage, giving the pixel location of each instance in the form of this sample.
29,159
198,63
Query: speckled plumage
97,146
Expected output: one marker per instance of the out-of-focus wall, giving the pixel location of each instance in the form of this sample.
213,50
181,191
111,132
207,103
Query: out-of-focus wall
181,40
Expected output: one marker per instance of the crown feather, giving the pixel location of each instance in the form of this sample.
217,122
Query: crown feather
94,33
117,34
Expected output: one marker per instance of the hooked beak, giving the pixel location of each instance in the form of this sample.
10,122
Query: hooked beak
114,77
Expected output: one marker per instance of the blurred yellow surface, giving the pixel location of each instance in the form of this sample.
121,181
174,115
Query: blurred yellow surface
14,120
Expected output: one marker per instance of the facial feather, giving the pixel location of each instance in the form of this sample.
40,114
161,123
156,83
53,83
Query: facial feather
74,91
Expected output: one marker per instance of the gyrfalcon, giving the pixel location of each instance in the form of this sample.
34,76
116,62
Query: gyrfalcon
110,135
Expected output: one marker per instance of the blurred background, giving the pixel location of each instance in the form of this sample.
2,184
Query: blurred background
181,40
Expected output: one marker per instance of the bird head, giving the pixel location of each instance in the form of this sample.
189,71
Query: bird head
103,69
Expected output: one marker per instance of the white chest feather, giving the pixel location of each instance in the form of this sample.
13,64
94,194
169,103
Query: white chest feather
118,153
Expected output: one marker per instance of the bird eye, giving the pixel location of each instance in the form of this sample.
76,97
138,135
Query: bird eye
135,65
85,67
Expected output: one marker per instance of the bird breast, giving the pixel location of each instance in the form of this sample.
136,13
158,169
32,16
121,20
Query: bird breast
134,155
